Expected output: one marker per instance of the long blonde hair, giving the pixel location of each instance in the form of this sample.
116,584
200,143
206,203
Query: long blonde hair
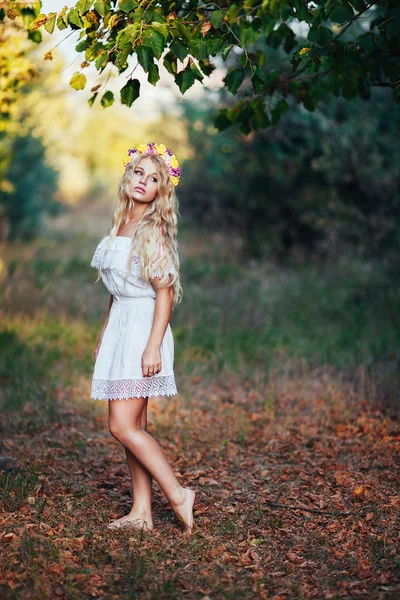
164,211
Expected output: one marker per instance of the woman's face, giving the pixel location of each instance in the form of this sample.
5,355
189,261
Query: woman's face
144,181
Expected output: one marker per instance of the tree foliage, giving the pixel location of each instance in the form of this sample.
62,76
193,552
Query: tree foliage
339,47
321,183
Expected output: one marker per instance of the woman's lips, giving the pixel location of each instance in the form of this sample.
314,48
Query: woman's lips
139,189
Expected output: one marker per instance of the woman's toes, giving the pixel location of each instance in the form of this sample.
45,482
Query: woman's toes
139,524
184,511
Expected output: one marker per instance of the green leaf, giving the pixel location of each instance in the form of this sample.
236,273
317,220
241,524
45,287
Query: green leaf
282,106
107,99
341,13
127,35
301,10
249,33
153,75
78,81
62,22
206,66
154,40
260,58
51,22
161,28
179,49
226,51
83,6
101,61
185,33
217,18
198,49
324,36
130,92
366,41
81,46
121,62
214,45
28,15
35,36
221,120
313,34
326,62
258,80
320,35
145,57
234,79
169,63
185,79
127,5
233,12
268,22
197,73
75,19
102,7
93,98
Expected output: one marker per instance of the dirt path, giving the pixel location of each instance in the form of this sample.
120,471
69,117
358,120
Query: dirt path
298,498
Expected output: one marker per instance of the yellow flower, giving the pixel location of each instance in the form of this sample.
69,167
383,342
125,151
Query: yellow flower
160,148
174,162
127,160
141,148
304,51
175,180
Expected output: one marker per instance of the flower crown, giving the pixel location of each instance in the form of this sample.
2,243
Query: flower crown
161,150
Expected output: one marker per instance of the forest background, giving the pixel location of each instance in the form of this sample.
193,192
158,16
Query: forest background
286,343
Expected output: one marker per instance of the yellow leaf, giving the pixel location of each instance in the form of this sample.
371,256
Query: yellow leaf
39,21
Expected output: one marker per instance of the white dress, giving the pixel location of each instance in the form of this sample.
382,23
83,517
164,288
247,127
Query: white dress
117,370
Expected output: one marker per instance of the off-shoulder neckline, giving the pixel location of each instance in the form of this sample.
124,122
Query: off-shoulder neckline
124,237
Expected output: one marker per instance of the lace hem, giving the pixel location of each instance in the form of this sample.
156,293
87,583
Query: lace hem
117,259
118,389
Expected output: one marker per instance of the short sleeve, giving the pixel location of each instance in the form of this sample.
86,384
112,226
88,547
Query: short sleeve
158,273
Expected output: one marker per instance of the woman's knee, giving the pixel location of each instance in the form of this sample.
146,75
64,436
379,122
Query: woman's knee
127,434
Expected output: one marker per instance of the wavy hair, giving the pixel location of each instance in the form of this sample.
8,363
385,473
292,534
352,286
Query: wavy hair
164,211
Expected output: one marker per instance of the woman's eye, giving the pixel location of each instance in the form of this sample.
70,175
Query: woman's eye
140,173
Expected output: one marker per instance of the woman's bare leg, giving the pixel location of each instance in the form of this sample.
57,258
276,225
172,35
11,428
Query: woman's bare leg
141,478
125,425
140,512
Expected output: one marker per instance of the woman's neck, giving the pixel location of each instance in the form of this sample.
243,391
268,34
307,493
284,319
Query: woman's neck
133,218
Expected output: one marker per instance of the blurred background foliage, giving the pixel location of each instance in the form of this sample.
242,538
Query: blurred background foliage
289,236
316,183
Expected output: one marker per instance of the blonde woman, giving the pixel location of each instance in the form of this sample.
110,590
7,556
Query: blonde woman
139,265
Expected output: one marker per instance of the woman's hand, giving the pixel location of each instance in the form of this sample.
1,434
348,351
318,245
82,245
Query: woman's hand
151,361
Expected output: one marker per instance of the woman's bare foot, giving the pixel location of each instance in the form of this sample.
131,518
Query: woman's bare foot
184,511
133,520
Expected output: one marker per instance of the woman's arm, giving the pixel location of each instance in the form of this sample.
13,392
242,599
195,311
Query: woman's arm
151,358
